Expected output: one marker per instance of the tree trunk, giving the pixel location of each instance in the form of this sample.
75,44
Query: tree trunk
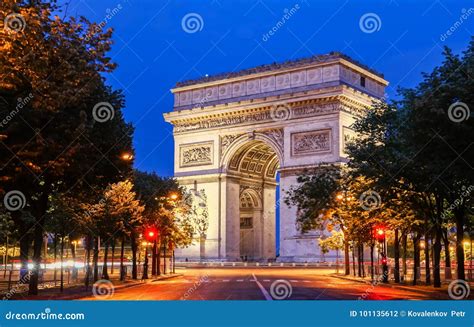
164,258
133,245
24,249
61,257
122,252
447,256
359,274
153,259
416,258
396,274
113,257
459,216
39,211
372,275
105,273
95,260
55,251
437,258
404,257
362,259
353,260
145,264
37,247
88,246
427,260
73,251
158,259
347,266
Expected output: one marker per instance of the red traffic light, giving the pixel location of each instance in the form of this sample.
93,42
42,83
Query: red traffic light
379,233
151,234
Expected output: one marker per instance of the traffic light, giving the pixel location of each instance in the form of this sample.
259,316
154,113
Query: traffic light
379,233
151,234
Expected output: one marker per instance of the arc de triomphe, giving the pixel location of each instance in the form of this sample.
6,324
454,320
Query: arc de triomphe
235,132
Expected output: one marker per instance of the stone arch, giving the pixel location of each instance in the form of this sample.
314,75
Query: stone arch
247,140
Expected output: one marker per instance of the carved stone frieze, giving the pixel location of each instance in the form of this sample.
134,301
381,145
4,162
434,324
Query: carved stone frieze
227,140
196,154
256,188
312,142
254,117
276,134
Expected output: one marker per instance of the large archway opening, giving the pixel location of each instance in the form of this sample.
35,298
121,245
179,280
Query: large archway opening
252,225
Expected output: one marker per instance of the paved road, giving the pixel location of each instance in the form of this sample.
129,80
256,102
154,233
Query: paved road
262,284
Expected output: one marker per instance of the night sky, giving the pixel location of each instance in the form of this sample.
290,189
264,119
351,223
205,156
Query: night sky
154,50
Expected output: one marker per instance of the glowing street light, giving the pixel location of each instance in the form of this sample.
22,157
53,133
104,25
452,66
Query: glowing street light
173,196
126,156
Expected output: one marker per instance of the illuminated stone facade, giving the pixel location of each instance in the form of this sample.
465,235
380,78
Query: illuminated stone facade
234,132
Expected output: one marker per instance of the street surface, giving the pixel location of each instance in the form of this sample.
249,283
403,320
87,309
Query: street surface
258,283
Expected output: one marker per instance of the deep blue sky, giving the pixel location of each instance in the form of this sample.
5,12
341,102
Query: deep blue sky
154,52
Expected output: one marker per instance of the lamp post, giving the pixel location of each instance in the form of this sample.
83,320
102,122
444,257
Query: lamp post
151,235
380,234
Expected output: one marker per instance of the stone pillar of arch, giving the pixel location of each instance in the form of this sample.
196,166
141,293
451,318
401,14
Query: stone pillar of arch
235,132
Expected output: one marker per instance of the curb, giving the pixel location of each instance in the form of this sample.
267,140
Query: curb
401,287
165,277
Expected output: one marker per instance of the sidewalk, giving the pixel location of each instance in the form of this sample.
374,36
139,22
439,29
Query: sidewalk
439,292
78,291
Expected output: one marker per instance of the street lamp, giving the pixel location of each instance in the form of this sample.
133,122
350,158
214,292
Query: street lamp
173,196
126,156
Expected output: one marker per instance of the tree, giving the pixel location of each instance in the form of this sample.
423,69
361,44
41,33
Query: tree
333,242
55,138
